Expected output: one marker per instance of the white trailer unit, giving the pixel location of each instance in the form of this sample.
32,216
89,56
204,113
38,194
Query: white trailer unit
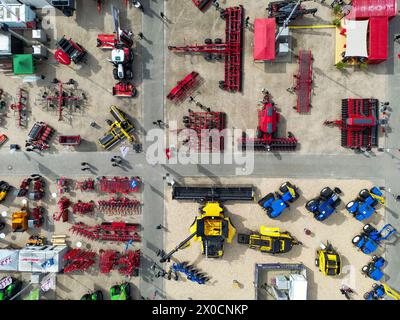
42,259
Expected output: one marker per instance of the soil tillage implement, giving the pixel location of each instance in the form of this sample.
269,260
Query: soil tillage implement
63,207
20,108
114,185
184,87
359,123
79,260
207,128
120,42
86,185
83,207
63,185
288,10
37,215
119,206
230,50
109,231
267,139
191,272
64,97
39,136
304,81
127,263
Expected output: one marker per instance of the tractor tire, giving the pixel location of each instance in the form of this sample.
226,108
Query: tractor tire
269,212
100,295
208,41
368,228
364,194
366,296
337,203
218,41
283,188
218,57
338,190
208,56
134,92
364,270
128,74
115,74
326,193
356,239
375,258
349,205
223,14
310,204
222,85
317,263
131,56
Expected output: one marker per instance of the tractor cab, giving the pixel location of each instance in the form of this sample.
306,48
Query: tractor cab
328,260
370,238
212,228
275,206
325,205
269,240
364,206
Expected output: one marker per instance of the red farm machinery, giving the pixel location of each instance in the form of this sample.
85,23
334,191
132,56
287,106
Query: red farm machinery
232,49
204,131
78,260
69,51
202,4
184,87
119,206
359,124
127,263
120,43
304,81
266,137
109,231
39,136
73,141
118,185
20,109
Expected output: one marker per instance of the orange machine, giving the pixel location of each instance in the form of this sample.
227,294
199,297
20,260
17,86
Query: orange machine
20,221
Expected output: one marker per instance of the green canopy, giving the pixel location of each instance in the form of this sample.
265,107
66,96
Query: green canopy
23,64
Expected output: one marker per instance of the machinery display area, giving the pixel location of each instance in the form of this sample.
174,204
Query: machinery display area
199,150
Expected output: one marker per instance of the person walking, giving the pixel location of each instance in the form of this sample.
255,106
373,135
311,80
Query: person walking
140,35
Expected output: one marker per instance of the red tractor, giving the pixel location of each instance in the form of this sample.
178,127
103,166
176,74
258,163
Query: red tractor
266,138
202,4
68,51
121,56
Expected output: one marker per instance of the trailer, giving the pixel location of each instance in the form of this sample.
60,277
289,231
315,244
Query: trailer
184,87
267,139
232,49
69,140
304,82
359,124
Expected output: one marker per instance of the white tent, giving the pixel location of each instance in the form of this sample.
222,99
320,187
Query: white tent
356,38
9,260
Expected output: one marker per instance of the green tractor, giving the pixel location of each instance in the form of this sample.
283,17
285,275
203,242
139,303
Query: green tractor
121,291
10,290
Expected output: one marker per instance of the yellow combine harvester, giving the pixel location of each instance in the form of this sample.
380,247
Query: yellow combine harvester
328,260
269,240
212,228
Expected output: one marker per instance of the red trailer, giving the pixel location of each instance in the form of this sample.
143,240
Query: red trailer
267,131
359,124
232,49
69,140
184,87
304,82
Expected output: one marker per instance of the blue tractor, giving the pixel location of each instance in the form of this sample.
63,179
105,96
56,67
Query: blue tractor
325,205
364,206
373,269
275,204
369,240
381,291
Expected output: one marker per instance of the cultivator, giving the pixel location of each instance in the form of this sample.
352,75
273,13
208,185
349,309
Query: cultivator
79,260
207,127
62,98
119,206
63,205
39,136
267,140
109,231
38,189
184,88
127,263
231,49
86,185
63,185
304,82
20,109
202,4
83,207
359,123
118,185
23,188
37,215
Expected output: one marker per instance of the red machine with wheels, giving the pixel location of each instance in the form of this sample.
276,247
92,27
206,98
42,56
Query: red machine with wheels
119,185
109,231
231,49
304,82
69,140
69,51
124,89
359,124
184,87
202,4
267,130
78,260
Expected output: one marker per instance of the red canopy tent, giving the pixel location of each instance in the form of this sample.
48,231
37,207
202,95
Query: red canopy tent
264,39
373,8
378,39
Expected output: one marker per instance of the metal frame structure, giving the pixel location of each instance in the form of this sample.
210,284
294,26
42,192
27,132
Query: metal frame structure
184,87
232,48
79,260
304,82
109,231
118,185
20,108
